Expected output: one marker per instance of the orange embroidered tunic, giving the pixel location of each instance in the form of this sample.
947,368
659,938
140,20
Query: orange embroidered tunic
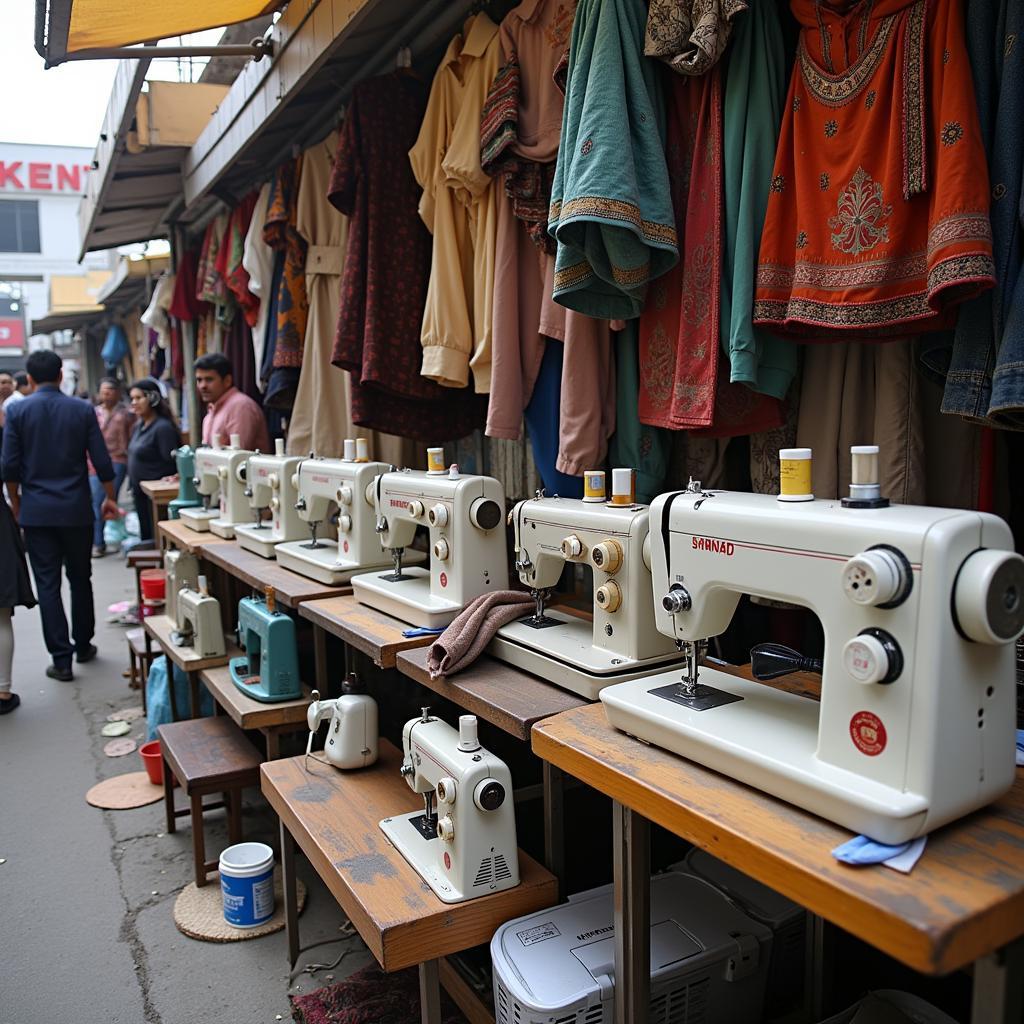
877,221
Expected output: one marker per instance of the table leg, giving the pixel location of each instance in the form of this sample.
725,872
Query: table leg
291,898
430,993
816,977
193,694
632,865
998,996
198,839
320,659
554,825
273,744
168,795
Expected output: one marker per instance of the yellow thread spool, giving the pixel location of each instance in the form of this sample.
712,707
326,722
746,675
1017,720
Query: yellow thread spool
435,461
362,450
795,474
593,485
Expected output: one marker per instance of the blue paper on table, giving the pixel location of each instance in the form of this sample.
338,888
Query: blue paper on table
1020,746
411,634
861,850
158,696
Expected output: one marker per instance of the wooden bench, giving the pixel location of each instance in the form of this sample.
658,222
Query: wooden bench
207,755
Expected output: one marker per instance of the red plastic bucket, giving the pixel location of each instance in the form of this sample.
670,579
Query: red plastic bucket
153,583
153,761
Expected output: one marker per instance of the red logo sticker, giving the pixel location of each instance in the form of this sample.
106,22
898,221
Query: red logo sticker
447,861
867,733
444,579
344,547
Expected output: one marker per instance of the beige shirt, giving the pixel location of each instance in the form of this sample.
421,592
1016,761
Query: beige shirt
459,208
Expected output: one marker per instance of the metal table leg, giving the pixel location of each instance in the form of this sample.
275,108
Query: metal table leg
291,898
632,840
430,993
320,659
998,996
554,824
193,693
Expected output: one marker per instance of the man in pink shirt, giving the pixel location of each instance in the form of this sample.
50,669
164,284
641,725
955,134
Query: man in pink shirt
229,411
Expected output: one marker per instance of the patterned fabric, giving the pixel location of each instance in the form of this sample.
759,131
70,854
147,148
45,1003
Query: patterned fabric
280,233
387,267
236,277
611,212
690,35
210,286
184,305
876,226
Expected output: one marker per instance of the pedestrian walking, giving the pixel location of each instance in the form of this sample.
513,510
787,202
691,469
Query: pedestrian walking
116,421
15,592
229,411
47,438
150,450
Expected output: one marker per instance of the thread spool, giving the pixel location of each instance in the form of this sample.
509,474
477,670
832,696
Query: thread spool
279,446
201,586
795,474
864,484
593,485
362,450
216,442
623,487
236,441
271,596
435,462
349,450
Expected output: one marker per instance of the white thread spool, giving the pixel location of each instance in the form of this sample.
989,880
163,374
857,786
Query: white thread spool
864,484
349,450
623,488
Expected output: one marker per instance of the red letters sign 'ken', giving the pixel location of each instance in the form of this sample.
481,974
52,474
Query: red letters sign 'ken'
32,176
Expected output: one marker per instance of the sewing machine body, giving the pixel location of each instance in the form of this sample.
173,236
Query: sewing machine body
268,480
188,496
269,670
182,570
891,758
466,519
219,481
353,546
468,847
352,736
621,641
198,624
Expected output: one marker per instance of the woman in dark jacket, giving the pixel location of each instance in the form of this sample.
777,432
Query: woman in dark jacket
15,590
150,449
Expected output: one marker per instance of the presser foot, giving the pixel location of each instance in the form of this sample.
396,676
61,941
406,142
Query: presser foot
426,825
540,621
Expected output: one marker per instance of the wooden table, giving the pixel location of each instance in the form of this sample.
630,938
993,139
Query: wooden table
159,628
290,588
270,719
174,533
160,493
334,817
963,901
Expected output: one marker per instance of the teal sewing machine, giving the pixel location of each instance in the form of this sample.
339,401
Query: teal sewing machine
269,671
188,496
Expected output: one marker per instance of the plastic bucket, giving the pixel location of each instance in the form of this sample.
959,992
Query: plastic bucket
154,763
247,884
153,583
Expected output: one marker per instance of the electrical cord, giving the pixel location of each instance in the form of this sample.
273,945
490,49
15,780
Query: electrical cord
348,932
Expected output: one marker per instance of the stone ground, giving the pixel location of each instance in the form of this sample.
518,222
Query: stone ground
86,896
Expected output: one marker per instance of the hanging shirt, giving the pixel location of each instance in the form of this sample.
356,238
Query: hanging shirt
236,276
458,208
258,263
877,222
690,36
611,212
387,268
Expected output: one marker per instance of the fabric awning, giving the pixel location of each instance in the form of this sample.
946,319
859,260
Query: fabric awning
71,26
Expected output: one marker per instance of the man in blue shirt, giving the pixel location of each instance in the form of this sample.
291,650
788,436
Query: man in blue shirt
46,438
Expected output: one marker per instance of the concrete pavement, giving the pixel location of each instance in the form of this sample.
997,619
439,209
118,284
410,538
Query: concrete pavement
86,896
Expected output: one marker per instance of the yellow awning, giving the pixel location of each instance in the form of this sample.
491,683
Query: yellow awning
71,26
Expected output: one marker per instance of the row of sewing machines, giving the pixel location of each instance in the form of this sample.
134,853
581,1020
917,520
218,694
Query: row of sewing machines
918,606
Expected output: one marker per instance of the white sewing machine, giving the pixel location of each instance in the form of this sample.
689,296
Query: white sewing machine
182,570
465,516
339,491
269,484
352,734
622,641
467,847
198,622
219,479
919,607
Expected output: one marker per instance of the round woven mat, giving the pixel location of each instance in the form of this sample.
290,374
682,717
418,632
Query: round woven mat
199,913
124,791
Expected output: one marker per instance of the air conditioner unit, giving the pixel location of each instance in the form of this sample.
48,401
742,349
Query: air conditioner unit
709,960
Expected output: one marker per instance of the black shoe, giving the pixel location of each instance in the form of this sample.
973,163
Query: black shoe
62,675
7,706
87,655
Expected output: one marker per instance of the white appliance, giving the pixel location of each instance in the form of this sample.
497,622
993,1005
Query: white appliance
269,485
182,570
219,479
709,960
352,734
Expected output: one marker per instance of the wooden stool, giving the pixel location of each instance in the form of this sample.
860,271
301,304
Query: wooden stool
139,559
139,660
207,755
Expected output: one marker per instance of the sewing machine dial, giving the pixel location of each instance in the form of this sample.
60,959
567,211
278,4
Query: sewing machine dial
607,556
441,550
438,515
345,494
880,577
608,596
573,547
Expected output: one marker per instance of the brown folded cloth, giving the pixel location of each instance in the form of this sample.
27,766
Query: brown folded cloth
472,630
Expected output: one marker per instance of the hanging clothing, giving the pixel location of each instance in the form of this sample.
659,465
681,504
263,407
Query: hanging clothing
155,314
258,263
210,285
387,267
458,207
543,424
184,305
877,222
754,92
690,36
984,364
236,277
611,209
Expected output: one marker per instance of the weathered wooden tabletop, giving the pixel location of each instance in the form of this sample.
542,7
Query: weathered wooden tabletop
253,714
184,538
290,588
160,491
160,627
334,817
375,634
965,897
505,696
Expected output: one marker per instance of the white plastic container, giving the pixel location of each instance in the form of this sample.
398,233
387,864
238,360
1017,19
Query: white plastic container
247,884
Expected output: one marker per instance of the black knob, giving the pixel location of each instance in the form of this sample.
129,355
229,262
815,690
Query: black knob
771,661
486,514
492,796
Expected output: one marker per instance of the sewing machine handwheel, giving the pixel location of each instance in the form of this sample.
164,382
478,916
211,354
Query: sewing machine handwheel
988,597
489,795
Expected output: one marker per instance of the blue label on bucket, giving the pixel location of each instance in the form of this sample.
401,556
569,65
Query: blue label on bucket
248,901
